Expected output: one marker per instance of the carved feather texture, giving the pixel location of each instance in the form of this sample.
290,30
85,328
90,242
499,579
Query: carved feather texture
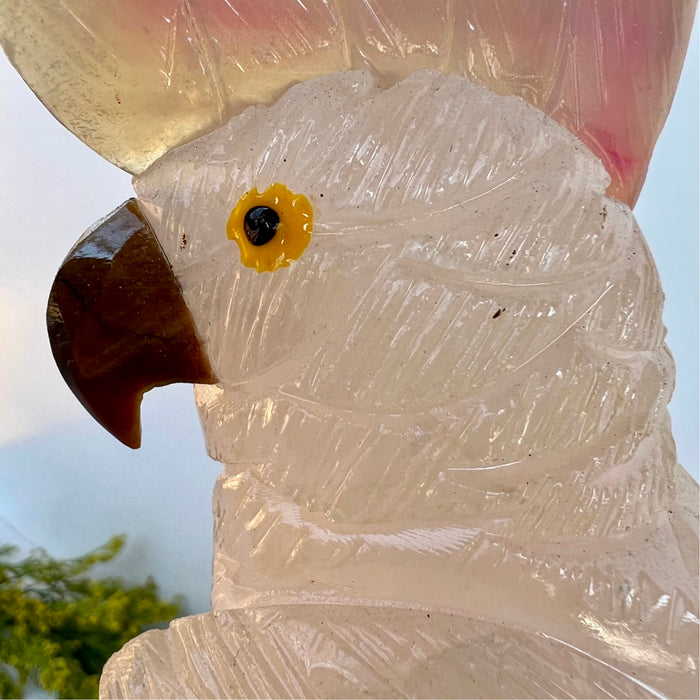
444,425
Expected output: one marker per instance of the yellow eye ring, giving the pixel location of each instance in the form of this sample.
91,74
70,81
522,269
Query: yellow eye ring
286,219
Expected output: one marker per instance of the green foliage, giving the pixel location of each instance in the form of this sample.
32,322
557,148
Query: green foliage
58,625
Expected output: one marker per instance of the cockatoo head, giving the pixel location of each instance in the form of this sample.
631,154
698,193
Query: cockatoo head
134,104
455,245
458,238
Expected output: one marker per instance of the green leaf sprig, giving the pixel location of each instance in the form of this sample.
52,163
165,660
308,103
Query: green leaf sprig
59,625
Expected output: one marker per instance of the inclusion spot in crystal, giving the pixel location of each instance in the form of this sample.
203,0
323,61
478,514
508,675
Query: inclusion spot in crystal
260,225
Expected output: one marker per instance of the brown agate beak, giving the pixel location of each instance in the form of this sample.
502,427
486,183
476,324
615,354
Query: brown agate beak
118,323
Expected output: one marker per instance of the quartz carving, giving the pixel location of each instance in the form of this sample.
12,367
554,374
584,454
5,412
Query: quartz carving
448,463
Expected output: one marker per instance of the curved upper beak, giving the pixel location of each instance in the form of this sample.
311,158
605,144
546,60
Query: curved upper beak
118,324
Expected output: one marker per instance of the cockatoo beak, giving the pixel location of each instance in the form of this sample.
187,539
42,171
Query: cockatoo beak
118,323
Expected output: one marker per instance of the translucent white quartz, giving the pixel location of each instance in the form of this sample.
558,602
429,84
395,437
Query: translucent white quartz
449,468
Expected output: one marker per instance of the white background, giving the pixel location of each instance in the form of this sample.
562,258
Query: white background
66,485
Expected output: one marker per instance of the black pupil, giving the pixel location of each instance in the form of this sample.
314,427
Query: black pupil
261,224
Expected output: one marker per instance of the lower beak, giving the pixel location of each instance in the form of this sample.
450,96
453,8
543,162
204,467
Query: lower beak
118,324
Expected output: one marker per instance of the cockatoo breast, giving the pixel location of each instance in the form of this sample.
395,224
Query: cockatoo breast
470,347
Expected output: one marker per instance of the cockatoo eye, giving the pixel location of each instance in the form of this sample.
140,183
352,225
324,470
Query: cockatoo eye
272,228
260,224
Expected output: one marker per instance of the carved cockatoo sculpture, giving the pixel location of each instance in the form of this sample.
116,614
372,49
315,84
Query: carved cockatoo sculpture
427,343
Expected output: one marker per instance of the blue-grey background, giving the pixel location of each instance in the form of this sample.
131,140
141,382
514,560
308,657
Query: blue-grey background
68,486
